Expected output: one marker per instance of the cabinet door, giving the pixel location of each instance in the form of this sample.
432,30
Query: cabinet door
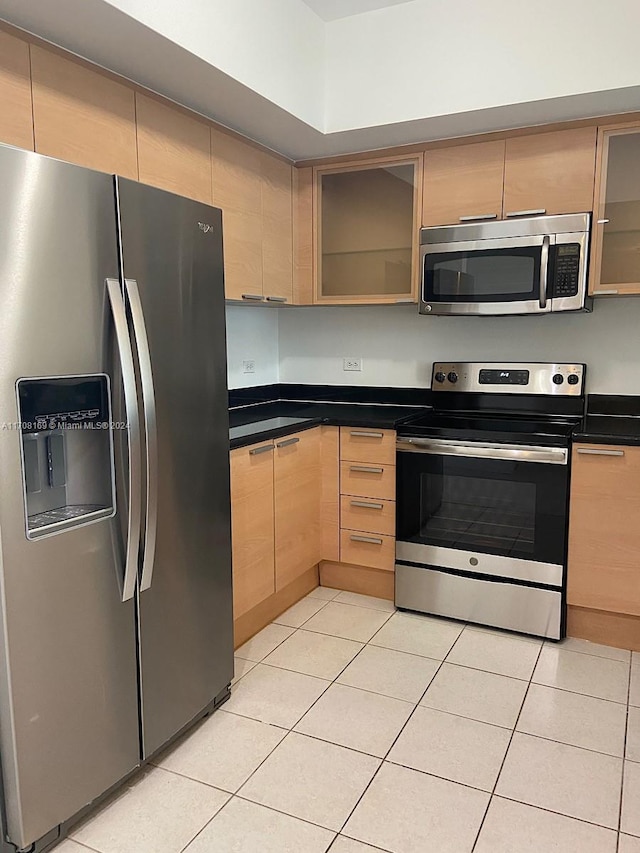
237,189
277,229
16,118
298,491
303,236
615,247
82,116
252,526
367,221
463,182
604,535
550,172
174,149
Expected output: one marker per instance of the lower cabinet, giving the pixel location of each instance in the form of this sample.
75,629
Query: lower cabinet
252,526
276,496
603,577
297,491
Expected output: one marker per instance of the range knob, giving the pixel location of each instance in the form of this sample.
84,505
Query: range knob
557,379
573,379
452,377
439,377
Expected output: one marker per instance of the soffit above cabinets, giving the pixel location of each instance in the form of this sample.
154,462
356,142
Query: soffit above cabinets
331,10
378,77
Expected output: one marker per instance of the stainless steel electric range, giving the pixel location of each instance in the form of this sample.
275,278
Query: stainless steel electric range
483,493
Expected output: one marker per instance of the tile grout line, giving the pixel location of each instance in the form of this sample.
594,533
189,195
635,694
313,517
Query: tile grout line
382,762
506,752
624,754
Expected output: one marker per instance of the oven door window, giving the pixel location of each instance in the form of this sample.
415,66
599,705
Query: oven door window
504,273
507,508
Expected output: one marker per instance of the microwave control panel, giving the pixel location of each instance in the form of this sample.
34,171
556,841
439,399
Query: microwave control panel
566,270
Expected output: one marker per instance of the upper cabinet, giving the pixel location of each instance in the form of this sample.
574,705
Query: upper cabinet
277,229
254,190
16,118
550,172
81,115
544,173
174,149
463,182
615,253
366,225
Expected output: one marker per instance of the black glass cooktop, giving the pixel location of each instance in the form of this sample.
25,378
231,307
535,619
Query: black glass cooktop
486,427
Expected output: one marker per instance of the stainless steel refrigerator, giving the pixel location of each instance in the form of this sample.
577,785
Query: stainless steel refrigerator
115,553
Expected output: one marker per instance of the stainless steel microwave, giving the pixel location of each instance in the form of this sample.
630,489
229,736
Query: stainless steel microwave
533,265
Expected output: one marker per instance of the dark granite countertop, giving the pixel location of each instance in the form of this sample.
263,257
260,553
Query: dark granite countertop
254,423
607,429
610,419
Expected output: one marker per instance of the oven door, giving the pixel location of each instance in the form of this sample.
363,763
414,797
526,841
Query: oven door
493,276
483,509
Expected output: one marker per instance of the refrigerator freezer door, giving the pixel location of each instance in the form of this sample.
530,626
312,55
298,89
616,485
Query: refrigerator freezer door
68,693
172,248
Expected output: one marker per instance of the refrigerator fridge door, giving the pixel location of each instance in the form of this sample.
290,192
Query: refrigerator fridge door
68,692
172,263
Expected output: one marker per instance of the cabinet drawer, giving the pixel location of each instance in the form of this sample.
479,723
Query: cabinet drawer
379,553
368,445
370,516
368,480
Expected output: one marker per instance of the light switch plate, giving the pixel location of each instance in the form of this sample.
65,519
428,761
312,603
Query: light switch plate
352,364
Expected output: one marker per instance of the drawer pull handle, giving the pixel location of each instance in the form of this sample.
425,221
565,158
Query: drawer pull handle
276,298
264,449
366,469
605,292
367,504
602,221
363,433
253,297
588,451
478,217
373,540
534,212
288,442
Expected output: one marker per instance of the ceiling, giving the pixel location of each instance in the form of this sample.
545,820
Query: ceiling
330,10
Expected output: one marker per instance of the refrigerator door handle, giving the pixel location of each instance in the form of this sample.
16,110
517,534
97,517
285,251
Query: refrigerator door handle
125,352
151,430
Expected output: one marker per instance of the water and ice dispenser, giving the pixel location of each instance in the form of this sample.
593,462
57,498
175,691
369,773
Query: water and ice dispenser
67,452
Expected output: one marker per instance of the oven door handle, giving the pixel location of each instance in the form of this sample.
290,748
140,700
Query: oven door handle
484,450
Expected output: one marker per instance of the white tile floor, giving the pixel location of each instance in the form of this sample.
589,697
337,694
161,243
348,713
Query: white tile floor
356,729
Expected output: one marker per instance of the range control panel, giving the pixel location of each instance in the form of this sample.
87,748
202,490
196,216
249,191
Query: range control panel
509,378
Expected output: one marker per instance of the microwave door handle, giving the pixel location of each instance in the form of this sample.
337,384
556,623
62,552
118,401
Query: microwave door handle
150,428
125,353
544,271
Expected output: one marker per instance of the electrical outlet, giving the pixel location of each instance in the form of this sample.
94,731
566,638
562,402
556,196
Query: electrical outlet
248,366
352,364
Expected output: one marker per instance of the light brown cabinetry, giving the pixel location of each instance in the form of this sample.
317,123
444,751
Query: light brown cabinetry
277,229
542,173
550,172
277,509
366,224
174,149
463,182
252,526
82,116
604,534
367,502
615,247
298,491
254,190
16,118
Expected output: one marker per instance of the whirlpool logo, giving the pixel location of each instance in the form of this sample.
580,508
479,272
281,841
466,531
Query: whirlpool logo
205,228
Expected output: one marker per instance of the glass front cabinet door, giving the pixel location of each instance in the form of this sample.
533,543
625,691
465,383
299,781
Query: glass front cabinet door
367,221
615,256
